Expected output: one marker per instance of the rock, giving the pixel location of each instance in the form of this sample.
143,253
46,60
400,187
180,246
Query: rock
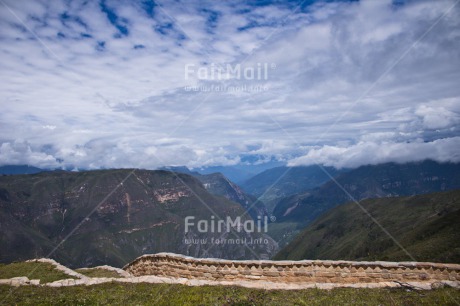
18,281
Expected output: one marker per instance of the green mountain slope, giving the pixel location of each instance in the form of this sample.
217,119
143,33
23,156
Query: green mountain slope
427,226
145,214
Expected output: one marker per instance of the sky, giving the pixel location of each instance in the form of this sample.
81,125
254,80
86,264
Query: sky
118,84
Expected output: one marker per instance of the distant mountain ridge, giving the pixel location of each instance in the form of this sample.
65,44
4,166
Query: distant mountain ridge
19,169
238,173
373,181
276,183
427,226
241,172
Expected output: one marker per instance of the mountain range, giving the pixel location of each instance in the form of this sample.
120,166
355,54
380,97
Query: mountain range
295,212
373,181
113,216
279,182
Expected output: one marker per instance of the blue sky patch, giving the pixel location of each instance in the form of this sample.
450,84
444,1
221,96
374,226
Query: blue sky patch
119,23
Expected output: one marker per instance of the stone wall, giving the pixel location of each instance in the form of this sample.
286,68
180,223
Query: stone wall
293,272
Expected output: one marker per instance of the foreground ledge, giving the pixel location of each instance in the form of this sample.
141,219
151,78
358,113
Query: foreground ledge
302,274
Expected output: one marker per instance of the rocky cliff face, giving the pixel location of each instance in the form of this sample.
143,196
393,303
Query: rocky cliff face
113,216
219,185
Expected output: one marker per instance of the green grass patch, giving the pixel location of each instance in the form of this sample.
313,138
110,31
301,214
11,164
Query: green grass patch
46,272
164,294
95,272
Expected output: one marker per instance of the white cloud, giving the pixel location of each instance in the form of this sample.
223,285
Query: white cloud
90,96
437,117
21,153
372,153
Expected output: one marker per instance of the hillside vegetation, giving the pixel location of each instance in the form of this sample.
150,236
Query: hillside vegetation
427,226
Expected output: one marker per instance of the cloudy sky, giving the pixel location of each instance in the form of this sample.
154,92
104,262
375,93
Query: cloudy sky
91,84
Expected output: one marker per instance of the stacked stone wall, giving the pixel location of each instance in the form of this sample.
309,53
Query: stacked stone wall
294,272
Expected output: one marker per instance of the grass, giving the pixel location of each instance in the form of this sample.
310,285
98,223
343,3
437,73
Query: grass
95,272
46,272
164,294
